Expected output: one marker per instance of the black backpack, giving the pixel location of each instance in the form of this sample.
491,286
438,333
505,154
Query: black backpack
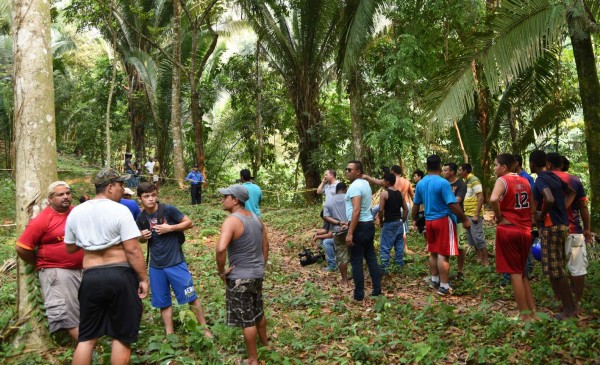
144,222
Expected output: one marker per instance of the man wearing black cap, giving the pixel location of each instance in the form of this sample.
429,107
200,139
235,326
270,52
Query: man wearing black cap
114,279
254,192
244,239
196,180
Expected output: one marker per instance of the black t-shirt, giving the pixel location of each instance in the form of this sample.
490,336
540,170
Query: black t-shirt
558,213
393,206
165,249
459,188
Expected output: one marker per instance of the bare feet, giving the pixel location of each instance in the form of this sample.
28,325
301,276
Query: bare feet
208,334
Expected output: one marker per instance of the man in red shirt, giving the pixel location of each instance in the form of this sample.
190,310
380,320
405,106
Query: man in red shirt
42,245
514,212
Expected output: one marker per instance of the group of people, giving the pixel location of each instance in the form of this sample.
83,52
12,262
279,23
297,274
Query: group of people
134,169
93,274
555,204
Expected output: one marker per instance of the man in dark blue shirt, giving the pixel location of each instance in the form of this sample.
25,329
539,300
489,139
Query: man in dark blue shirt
196,180
553,197
162,226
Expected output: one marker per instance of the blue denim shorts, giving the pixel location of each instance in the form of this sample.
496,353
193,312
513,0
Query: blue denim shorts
177,277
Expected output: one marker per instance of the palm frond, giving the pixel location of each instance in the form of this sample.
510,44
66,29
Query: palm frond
521,31
145,66
357,25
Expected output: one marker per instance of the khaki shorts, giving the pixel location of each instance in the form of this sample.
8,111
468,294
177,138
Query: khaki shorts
60,288
342,254
576,253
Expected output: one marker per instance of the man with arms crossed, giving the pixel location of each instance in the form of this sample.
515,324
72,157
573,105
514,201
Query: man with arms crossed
578,215
244,239
441,211
553,197
114,278
59,272
393,212
168,268
361,231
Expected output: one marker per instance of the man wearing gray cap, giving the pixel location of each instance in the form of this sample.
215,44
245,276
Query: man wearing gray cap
114,278
244,239
42,246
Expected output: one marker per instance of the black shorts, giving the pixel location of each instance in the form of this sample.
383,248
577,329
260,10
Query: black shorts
244,302
109,304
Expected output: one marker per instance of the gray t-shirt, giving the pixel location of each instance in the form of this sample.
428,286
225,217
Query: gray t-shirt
459,188
99,224
246,253
336,209
329,191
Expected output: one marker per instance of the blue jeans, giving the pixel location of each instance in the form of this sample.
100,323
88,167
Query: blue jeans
392,235
329,253
363,247
374,212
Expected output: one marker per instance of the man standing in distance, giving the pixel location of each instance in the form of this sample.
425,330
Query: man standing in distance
327,185
114,281
244,239
59,272
473,204
459,188
196,180
162,226
254,192
550,192
361,231
441,211
579,215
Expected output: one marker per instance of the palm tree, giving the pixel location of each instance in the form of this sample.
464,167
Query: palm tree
521,32
299,38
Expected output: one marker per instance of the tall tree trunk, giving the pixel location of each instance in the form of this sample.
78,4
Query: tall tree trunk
482,112
35,146
308,122
136,104
355,114
460,142
178,166
589,91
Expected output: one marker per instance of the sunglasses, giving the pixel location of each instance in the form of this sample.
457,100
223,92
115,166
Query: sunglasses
348,169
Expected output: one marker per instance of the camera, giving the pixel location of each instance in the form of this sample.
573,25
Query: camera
307,257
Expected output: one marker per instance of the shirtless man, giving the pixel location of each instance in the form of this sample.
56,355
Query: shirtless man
114,280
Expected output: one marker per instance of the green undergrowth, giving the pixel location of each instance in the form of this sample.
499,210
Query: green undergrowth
311,320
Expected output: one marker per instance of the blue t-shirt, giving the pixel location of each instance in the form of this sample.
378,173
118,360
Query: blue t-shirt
524,174
195,177
254,198
558,213
165,249
132,205
436,193
360,187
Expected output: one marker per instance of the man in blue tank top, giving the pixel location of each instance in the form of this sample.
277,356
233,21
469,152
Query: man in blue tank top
244,239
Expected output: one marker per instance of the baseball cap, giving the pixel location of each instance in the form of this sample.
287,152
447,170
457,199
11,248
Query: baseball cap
238,191
128,191
108,176
53,186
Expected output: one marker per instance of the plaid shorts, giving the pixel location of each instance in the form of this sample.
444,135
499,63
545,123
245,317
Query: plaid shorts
244,302
554,260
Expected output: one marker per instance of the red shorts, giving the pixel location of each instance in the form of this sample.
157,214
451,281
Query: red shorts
512,248
441,237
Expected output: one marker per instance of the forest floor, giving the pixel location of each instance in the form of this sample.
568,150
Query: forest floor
311,320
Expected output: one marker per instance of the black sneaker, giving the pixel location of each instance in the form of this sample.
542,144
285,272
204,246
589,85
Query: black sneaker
459,276
433,284
444,292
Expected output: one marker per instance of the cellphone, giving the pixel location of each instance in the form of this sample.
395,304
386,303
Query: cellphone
145,225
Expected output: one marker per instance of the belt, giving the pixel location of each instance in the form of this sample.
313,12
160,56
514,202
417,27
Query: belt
393,220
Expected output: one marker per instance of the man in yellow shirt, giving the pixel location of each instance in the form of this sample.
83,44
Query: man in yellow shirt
473,203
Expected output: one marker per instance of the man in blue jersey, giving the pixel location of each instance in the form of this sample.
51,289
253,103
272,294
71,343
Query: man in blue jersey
441,210
196,180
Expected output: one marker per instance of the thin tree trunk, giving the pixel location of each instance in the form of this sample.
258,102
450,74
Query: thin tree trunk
589,91
355,109
35,147
460,142
112,87
481,110
178,166
259,122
